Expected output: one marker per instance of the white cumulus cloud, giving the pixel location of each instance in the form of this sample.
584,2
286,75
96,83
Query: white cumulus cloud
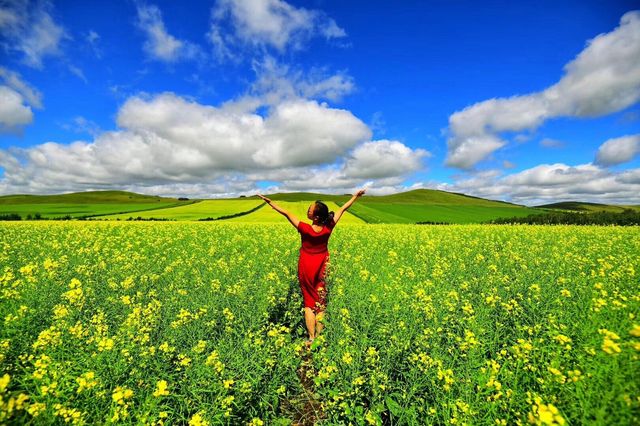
16,100
618,150
13,112
384,158
169,143
266,23
549,183
604,78
160,44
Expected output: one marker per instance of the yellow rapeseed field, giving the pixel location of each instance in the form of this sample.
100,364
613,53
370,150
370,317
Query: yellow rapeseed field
201,324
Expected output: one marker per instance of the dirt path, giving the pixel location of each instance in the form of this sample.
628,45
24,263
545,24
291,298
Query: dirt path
305,408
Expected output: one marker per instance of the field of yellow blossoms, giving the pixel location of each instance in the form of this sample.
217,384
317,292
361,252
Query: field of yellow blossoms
201,324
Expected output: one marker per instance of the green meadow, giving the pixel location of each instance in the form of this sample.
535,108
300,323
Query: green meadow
421,205
588,207
199,210
268,215
412,213
82,204
424,205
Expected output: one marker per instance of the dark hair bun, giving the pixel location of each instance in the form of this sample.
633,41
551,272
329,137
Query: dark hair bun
329,218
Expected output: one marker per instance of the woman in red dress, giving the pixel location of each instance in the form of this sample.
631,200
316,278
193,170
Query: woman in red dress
314,257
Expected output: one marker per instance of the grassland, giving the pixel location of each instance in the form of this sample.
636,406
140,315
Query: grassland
587,207
299,208
200,210
412,213
424,205
421,205
81,204
200,323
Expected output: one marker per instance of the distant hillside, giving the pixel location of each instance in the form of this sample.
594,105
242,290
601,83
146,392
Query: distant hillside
85,197
434,206
579,206
416,196
419,205
303,196
435,197
83,204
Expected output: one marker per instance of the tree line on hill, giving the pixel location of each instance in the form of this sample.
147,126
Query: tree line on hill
627,217
35,216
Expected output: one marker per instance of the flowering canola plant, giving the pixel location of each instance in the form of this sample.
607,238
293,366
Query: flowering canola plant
201,323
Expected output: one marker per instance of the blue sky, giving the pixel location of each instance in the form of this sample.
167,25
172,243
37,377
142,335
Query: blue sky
529,102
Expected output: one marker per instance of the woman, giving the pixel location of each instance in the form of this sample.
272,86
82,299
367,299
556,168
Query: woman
314,257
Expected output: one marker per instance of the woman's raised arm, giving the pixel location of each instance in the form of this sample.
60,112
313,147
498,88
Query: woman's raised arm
346,205
294,220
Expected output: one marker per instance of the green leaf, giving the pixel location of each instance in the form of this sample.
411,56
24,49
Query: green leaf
393,406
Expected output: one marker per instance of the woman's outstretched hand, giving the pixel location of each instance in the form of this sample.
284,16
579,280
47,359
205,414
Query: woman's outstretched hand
360,193
268,201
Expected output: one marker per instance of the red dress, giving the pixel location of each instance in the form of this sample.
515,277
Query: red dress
312,265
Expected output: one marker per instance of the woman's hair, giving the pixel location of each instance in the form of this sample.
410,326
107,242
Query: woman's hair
322,212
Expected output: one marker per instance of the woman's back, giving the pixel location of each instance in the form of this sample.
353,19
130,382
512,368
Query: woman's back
312,241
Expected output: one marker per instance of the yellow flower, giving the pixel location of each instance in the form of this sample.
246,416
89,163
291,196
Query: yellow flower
86,381
562,339
545,414
36,408
610,347
228,383
197,420
200,347
574,375
635,331
347,358
184,360
213,360
358,381
46,389
447,377
492,383
609,334
60,311
161,388
4,382
105,344
120,394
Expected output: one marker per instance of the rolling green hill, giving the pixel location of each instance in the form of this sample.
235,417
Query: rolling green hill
429,205
587,207
299,208
204,209
420,205
96,197
304,196
80,204
412,213
434,197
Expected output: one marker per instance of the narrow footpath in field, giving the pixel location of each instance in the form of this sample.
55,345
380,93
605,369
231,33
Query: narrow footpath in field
305,408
